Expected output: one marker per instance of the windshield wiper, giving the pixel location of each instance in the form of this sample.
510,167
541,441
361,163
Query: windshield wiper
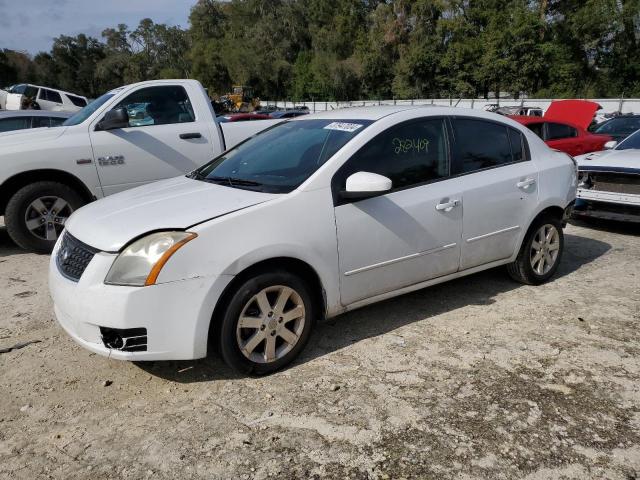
233,181
196,175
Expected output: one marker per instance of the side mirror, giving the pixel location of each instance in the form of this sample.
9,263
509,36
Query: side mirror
365,185
118,118
610,145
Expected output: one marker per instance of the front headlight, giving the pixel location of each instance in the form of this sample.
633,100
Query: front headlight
140,263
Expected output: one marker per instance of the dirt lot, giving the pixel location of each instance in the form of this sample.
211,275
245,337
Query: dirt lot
477,378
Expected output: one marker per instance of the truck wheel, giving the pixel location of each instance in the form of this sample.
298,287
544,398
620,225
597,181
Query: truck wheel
266,323
540,253
36,214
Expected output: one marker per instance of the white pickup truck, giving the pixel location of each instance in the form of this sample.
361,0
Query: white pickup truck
129,136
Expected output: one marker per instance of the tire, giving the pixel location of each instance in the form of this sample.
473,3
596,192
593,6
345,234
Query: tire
531,269
23,212
254,358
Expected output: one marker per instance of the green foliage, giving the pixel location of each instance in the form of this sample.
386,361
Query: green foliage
361,49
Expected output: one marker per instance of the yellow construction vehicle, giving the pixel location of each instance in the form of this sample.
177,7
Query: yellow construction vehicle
240,100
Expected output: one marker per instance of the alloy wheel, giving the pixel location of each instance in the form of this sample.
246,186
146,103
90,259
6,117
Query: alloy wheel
45,216
545,249
270,324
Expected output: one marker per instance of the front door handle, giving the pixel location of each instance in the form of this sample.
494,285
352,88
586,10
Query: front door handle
447,206
188,136
527,182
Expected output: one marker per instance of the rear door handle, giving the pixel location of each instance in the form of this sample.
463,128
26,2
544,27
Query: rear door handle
447,206
527,182
188,136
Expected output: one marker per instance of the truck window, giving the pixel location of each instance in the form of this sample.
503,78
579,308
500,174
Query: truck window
158,106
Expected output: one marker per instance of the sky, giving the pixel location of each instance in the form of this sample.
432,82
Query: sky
31,25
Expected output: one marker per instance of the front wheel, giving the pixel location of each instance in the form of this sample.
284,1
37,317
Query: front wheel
540,253
36,214
267,322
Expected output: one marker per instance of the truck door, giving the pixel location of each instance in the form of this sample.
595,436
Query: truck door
165,138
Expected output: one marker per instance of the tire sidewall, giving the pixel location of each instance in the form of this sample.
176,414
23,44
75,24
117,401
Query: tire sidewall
531,273
20,201
227,342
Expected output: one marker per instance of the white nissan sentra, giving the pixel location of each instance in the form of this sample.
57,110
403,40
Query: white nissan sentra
308,219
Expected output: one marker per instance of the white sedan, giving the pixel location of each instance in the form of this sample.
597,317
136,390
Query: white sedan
311,218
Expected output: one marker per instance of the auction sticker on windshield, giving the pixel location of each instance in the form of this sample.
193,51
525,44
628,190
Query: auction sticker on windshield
343,127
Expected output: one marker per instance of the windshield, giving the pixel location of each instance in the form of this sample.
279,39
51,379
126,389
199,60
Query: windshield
632,142
621,125
279,159
87,111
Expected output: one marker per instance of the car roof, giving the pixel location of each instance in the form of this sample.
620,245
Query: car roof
33,113
49,88
379,112
359,113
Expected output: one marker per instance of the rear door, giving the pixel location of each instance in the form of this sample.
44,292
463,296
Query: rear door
499,188
410,234
164,139
49,100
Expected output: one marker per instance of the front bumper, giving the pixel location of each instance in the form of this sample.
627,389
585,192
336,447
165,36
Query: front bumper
607,205
176,315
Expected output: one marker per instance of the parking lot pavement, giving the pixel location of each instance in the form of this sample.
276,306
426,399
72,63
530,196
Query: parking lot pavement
476,378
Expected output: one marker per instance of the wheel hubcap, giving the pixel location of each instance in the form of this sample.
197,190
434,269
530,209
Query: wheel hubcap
544,249
45,217
270,324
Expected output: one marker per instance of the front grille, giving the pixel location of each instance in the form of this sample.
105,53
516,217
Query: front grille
615,182
73,257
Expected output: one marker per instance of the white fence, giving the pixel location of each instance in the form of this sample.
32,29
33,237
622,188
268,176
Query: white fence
609,105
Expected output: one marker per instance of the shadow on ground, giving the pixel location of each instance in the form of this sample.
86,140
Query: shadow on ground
383,317
7,247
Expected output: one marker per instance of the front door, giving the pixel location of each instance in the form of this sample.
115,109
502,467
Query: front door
409,234
164,139
499,189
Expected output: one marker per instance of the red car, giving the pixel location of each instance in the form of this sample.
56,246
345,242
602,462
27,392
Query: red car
564,127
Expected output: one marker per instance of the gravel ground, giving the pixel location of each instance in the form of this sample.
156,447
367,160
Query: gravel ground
476,378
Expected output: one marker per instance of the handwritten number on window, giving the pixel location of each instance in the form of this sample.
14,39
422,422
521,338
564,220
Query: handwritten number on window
406,145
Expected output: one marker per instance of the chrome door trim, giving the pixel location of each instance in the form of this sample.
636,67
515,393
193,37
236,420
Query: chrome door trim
497,232
399,259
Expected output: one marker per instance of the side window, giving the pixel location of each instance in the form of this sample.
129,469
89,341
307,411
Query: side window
409,154
17,123
40,122
77,101
536,128
480,144
556,131
158,106
517,145
55,121
50,95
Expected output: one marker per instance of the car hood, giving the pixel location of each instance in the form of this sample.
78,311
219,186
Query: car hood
610,160
176,203
576,112
30,135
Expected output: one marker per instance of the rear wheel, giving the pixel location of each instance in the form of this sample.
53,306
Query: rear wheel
540,253
267,322
36,214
